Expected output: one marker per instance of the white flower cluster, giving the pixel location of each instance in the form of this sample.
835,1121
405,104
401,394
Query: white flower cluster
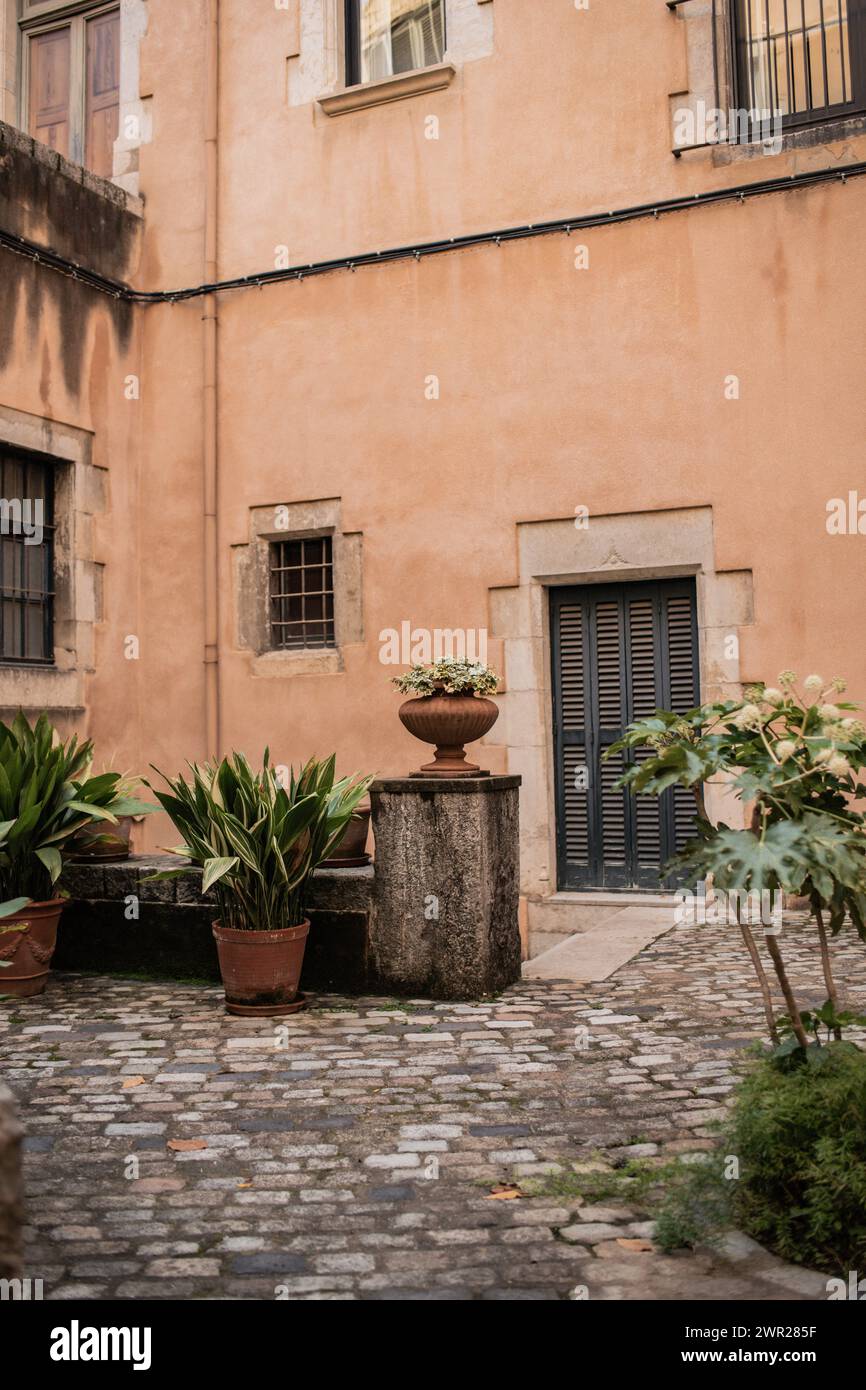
452,675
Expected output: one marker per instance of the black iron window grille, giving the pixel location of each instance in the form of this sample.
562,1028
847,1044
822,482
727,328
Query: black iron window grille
26,559
802,59
301,593
779,65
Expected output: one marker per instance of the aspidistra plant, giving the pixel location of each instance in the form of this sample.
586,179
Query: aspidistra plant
46,795
256,841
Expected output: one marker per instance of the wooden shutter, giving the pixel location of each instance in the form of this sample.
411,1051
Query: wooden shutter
610,803
679,618
49,82
619,653
572,690
102,92
646,697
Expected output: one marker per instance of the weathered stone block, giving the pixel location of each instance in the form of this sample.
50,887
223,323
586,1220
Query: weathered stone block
171,935
11,1193
445,923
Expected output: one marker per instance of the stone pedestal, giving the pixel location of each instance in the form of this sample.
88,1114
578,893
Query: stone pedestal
445,920
11,1200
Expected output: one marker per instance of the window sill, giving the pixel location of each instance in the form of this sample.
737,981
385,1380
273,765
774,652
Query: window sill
794,138
317,661
35,688
405,84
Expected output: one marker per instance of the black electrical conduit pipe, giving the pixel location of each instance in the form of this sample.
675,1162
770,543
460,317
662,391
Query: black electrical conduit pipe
118,290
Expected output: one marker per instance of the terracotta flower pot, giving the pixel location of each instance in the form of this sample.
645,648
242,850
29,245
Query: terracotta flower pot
261,970
449,721
351,851
29,950
101,841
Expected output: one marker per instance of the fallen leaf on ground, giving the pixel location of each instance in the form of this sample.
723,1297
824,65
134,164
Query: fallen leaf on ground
504,1192
182,1145
244,1184
639,1247
132,1081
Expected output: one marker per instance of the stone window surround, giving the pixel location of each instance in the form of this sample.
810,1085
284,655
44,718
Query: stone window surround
695,18
250,564
317,58
134,102
80,491
627,547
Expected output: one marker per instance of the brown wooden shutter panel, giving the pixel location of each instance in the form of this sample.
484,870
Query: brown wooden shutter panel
573,712
644,701
49,88
102,92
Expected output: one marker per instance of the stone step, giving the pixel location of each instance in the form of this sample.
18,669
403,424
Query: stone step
598,953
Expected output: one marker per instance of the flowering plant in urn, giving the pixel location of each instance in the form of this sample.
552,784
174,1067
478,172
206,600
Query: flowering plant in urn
449,710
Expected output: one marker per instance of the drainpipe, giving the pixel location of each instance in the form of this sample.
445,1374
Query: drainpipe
210,442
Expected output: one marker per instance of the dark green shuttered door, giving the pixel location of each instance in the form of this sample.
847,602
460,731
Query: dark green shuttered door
620,651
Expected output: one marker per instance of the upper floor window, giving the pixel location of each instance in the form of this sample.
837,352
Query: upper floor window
802,59
26,558
387,37
71,79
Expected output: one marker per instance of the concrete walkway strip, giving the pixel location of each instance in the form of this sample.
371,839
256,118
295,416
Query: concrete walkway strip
596,954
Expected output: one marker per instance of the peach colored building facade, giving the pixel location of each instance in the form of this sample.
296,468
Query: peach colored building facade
676,395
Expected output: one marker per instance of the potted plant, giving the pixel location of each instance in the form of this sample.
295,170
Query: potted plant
448,710
100,843
350,852
46,797
795,760
258,844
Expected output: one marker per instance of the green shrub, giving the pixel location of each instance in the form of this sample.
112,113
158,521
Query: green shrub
800,1136
798,1132
697,1205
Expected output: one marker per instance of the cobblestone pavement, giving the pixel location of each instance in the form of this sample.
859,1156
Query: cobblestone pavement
349,1151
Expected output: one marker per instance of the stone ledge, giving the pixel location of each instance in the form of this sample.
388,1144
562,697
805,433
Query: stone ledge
408,84
63,207
466,786
170,934
336,889
42,154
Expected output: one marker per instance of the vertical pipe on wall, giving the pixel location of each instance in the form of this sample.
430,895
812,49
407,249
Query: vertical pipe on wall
210,440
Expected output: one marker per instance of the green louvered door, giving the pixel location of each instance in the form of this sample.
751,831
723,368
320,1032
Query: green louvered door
620,651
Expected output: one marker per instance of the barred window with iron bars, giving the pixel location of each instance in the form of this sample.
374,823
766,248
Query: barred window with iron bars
301,593
804,60
26,559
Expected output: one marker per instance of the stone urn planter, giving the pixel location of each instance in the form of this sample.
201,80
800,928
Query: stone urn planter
27,942
449,721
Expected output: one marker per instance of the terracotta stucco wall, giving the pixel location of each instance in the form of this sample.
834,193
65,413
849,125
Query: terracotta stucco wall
559,387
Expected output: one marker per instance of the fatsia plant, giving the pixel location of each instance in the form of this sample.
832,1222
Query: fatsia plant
46,795
796,760
256,841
